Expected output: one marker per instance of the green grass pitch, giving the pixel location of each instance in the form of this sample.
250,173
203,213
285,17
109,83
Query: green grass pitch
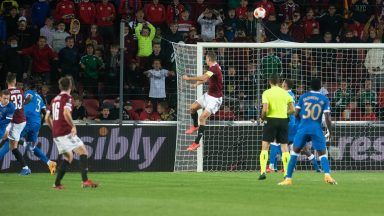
195,194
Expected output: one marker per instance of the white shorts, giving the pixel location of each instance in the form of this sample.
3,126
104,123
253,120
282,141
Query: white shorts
14,130
211,104
67,143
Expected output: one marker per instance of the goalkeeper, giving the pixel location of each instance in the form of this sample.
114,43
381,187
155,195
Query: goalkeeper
277,105
210,101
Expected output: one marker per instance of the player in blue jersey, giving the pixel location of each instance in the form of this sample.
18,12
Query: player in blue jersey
7,110
310,109
292,129
34,111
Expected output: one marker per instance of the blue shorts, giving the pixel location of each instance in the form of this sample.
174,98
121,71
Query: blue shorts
292,130
31,132
302,137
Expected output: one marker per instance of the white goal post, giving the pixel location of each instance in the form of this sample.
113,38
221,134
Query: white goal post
352,75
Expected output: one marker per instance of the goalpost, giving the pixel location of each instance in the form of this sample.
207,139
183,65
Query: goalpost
232,139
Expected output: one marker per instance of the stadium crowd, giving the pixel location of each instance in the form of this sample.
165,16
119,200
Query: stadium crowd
43,40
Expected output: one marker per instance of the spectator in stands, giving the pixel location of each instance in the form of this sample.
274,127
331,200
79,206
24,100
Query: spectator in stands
105,115
316,37
130,45
157,77
174,11
47,30
91,66
374,62
331,21
267,5
198,7
297,28
367,95
272,27
370,33
94,38
166,113
172,35
105,15
41,55
58,37
369,114
310,23
7,5
231,83
155,13
351,113
157,53
79,112
284,32
225,114
294,68
349,37
192,37
40,12
342,97
87,15
134,81
65,11
26,35
184,24
209,20
127,8
112,70
241,37
241,12
69,58
145,34
231,24
12,61
12,20
287,9
148,114
129,113
250,25
139,18
220,35
361,11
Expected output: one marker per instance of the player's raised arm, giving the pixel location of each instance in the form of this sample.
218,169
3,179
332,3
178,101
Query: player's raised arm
203,78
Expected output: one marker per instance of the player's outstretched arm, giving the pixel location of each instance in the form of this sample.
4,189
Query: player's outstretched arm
28,99
291,109
48,119
203,78
328,122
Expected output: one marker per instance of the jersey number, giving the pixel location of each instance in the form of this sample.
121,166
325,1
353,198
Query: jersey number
55,110
38,105
310,111
17,100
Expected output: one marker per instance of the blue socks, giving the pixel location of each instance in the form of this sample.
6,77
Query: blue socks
4,150
292,164
40,154
274,151
312,158
325,163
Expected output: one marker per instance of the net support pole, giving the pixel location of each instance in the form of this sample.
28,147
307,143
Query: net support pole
199,93
121,84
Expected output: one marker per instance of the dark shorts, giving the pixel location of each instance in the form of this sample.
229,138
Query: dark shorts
276,129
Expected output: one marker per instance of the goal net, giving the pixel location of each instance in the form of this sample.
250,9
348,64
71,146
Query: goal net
352,76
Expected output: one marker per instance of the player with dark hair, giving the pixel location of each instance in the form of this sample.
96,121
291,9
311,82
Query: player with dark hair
310,109
17,123
59,119
277,106
292,129
210,101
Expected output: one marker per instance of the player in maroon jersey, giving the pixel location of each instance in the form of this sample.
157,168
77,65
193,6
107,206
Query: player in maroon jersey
59,119
18,121
210,101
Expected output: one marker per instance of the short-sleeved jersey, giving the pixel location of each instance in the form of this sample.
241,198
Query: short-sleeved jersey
32,110
292,118
17,98
215,82
60,126
6,114
278,100
312,105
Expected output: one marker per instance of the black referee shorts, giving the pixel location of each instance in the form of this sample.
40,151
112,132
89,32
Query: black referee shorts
276,129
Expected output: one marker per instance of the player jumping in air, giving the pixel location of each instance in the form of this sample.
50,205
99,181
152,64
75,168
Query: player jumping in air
59,119
210,101
292,129
310,109
16,125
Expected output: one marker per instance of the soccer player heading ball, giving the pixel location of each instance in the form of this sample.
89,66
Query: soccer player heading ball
59,119
310,109
210,101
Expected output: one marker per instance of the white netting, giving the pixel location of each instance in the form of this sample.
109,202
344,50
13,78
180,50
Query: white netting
353,78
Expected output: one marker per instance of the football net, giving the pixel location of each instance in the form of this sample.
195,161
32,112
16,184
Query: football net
352,76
